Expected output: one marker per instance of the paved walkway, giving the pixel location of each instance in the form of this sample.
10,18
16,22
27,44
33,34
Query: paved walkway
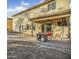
29,50
55,44
20,47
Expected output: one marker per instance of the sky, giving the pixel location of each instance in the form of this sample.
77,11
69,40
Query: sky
16,6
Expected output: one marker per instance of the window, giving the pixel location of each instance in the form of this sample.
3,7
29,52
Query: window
27,26
52,6
33,27
48,27
49,7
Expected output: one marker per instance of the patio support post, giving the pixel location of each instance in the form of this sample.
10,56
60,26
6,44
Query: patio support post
32,29
69,35
62,29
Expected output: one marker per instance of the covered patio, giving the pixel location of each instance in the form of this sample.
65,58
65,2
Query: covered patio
58,24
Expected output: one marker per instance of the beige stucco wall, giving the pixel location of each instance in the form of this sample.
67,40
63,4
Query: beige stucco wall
60,6
26,32
15,29
60,33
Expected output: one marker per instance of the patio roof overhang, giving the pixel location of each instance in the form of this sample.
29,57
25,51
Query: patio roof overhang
52,17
